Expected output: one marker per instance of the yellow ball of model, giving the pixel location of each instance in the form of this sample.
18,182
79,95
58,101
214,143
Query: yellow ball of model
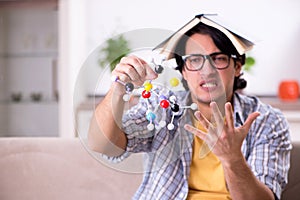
174,82
147,86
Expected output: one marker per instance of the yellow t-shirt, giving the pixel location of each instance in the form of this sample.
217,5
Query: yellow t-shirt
206,180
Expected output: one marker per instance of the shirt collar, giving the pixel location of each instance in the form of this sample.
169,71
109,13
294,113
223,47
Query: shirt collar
237,105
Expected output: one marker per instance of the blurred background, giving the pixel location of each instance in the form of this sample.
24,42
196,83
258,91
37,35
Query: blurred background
44,46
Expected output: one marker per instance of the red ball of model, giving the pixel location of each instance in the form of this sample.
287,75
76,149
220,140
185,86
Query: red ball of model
164,103
146,94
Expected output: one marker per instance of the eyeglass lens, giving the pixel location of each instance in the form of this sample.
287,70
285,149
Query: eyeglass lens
218,60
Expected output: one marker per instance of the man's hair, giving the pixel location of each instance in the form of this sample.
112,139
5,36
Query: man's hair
220,40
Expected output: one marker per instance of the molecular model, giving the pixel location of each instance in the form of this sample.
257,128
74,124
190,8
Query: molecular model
148,89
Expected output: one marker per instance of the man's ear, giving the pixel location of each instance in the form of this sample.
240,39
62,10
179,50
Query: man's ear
238,68
183,72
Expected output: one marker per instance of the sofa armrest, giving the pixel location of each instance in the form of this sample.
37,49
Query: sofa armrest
292,190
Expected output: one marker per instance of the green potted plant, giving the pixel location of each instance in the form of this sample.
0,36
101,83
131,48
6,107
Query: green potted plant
114,49
249,63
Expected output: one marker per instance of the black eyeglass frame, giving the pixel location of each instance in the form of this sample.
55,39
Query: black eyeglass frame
209,58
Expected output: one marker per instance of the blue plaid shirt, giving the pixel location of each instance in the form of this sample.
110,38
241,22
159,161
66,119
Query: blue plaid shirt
169,152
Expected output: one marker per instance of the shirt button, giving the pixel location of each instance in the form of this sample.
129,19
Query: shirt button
181,195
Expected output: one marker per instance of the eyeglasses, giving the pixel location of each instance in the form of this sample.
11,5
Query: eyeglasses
219,60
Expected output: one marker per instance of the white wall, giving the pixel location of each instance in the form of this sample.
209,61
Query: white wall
31,31
274,25
85,25
71,53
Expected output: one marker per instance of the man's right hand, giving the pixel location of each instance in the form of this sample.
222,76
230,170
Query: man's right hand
135,70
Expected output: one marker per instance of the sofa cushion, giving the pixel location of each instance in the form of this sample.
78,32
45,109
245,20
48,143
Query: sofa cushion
56,168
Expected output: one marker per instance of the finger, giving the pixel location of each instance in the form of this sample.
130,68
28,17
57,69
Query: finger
122,76
126,73
202,135
150,73
204,122
147,71
250,119
217,115
137,63
229,116
131,67
143,70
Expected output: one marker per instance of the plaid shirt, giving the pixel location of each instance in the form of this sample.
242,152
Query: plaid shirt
168,153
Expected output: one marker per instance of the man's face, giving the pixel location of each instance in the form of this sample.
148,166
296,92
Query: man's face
209,84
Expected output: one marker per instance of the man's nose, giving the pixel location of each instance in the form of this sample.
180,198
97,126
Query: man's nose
208,67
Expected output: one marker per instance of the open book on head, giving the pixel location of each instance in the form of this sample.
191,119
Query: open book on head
241,44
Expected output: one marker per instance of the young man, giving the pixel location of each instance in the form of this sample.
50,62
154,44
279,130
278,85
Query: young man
233,147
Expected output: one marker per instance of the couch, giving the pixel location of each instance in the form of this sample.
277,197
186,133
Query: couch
58,169
62,169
